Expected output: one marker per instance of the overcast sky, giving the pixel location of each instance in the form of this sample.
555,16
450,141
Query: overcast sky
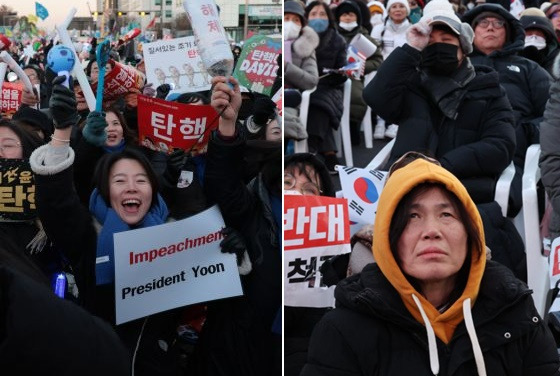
58,9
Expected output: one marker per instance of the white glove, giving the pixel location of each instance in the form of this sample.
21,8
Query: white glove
418,35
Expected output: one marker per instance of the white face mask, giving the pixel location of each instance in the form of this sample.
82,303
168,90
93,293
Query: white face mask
348,26
292,192
536,41
376,19
291,30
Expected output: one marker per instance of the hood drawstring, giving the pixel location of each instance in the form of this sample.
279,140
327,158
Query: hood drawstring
432,345
478,357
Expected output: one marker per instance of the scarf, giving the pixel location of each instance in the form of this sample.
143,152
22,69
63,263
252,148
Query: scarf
112,223
116,148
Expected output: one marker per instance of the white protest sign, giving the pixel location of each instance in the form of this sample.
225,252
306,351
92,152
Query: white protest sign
554,263
176,62
171,265
315,229
362,188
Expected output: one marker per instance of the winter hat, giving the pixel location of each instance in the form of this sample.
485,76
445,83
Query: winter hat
532,12
348,7
544,6
441,12
539,22
552,9
403,2
296,8
376,6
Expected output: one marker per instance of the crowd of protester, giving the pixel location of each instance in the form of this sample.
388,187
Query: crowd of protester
92,179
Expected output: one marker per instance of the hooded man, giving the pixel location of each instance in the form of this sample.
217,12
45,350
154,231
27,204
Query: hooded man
541,44
431,304
498,38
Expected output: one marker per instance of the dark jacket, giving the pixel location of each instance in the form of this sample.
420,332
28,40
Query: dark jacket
372,333
468,129
331,53
550,152
43,334
357,105
237,338
526,84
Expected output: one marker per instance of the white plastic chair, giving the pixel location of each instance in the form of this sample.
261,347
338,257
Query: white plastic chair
537,263
367,124
382,157
301,146
344,129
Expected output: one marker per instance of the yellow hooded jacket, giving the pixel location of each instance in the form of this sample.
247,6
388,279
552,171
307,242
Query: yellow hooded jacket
398,185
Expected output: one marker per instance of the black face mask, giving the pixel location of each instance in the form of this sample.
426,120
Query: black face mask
440,59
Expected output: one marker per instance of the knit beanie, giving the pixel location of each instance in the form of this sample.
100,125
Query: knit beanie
376,6
539,22
348,7
441,12
403,2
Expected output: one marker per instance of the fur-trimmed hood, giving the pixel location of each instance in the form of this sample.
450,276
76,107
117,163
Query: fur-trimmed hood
306,43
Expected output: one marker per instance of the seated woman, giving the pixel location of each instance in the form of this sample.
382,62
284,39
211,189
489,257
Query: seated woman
432,304
125,197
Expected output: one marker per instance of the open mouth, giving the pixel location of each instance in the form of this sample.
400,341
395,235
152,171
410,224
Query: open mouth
131,206
111,137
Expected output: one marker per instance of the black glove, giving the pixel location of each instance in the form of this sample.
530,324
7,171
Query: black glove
263,109
94,132
175,162
233,243
63,105
162,91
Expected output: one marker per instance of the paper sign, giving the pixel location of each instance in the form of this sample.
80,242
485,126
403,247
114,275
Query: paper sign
10,97
315,229
172,265
257,67
164,125
176,62
122,79
17,190
277,99
554,263
362,188
353,55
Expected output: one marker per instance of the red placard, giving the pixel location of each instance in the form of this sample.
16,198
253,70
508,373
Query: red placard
164,125
315,221
122,79
10,97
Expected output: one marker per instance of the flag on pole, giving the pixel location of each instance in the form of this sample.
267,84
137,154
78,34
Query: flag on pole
152,23
41,11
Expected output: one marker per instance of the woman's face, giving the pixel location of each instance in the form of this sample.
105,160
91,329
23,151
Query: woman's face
397,12
114,129
130,190
273,131
555,18
292,17
433,245
10,144
295,180
318,12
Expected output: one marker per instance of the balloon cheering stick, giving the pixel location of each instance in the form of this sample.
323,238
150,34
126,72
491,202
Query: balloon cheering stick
61,60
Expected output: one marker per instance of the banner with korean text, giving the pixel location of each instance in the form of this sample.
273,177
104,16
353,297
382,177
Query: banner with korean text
120,79
256,68
315,229
176,62
10,98
172,265
362,188
164,125
17,190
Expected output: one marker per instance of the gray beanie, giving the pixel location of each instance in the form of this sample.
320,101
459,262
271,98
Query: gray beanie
441,12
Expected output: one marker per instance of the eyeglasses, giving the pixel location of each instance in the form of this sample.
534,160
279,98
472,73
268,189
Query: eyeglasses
9,146
496,24
307,189
408,158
